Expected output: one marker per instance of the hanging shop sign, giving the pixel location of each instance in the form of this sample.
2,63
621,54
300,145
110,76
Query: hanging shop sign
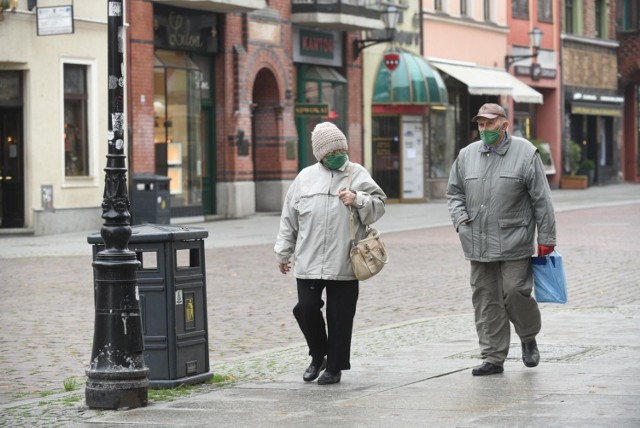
54,20
311,110
185,29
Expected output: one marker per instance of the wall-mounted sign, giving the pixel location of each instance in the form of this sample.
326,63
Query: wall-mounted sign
311,110
391,60
54,20
185,29
540,73
317,47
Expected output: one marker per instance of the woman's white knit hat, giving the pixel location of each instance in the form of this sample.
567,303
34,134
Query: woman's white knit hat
325,138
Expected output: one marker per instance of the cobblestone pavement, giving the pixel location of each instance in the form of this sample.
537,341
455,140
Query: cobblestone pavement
47,306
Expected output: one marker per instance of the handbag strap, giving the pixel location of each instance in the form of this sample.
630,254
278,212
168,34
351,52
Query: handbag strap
352,228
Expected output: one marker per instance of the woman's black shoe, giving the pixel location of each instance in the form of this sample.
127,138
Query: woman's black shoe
328,377
314,369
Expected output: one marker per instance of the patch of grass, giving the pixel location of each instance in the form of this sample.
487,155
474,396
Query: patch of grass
222,379
18,395
170,394
70,384
46,393
68,401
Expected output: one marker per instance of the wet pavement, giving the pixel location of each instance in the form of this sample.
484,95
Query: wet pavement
414,326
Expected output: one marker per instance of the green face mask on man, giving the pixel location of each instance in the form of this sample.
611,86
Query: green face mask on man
335,161
490,137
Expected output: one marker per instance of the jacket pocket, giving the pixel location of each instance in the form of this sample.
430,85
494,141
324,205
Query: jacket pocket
465,234
514,235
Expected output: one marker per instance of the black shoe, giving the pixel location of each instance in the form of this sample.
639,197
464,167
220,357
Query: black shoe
487,369
328,377
530,354
314,369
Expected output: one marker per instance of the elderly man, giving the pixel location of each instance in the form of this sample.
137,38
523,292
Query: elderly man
497,195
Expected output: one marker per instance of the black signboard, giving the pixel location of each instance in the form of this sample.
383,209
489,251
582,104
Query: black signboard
185,29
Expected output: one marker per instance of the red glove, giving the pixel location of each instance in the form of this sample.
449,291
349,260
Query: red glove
544,250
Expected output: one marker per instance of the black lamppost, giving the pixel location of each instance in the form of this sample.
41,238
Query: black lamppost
390,19
535,36
117,376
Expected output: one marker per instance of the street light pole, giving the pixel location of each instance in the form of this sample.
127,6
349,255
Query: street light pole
117,376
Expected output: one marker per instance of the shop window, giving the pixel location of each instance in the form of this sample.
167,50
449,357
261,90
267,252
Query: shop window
178,126
520,9
325,87
386,154
545,10
76,141
441,141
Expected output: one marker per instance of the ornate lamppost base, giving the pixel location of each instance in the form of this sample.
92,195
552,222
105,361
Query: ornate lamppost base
111,390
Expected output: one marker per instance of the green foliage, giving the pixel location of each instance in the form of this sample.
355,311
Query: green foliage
70,384
574,155
544,153
586,166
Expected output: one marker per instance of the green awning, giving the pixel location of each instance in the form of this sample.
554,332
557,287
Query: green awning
414,81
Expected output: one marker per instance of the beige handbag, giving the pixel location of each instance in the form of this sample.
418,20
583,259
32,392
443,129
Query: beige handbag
369,255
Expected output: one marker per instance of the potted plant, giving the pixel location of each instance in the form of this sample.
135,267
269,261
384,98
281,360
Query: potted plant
587,167
573,180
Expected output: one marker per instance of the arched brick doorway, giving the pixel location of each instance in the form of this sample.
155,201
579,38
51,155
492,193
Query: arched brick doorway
266,138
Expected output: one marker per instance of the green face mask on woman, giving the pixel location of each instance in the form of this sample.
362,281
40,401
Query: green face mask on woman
335,161
490,137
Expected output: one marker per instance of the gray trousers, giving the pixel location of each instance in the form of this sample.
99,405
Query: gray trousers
502,294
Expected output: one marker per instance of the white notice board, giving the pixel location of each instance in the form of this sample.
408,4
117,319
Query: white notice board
55,20
412,157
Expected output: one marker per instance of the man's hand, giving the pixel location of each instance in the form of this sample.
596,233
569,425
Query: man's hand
543,250
284,267
347,197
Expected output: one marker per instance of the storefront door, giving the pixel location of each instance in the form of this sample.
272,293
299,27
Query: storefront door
11,164
11,150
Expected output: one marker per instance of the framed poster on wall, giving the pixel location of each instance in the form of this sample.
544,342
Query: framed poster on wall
412,157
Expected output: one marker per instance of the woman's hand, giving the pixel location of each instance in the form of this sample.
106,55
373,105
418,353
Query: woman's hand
347,197
284,267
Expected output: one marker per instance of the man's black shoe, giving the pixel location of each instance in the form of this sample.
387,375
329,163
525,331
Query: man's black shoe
328,377
314,369
530,354
487,369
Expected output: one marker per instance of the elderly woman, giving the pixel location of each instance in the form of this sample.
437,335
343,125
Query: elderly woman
314,229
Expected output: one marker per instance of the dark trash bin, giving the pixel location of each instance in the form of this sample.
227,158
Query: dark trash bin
150,199
173,301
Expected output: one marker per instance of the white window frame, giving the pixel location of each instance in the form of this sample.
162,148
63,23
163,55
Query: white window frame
90,180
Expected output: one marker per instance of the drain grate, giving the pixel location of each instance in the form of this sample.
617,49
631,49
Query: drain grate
557,353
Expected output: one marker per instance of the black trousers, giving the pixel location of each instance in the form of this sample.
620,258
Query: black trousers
342,297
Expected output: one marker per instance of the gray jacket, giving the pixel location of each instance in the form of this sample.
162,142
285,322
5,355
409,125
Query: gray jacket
314,225
502,196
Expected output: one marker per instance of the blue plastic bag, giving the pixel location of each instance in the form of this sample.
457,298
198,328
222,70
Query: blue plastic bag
549,281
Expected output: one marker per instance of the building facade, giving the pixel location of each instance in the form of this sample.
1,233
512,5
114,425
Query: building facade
224,95
628,34
593,106
53,129
539,123
467,42
404,99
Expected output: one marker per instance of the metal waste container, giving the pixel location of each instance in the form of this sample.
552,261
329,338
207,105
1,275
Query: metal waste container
173,301
150,199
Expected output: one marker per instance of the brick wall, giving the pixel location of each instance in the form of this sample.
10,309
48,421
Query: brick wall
140,85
